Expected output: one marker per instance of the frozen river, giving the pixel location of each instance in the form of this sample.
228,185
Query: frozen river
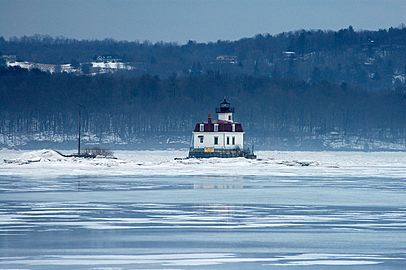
289,210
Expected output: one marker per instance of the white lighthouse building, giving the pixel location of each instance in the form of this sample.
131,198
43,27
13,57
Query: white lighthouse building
219,138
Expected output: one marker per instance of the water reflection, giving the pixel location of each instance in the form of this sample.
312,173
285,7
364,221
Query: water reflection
217,186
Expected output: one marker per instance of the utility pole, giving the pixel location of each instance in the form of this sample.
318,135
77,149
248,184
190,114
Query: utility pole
79,126
79,132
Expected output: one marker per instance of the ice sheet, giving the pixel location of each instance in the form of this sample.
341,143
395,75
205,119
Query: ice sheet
200,259
49,164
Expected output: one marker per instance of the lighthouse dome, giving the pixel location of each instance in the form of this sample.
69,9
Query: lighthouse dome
225,107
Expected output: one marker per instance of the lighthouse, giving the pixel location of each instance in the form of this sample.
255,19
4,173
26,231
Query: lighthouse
219,138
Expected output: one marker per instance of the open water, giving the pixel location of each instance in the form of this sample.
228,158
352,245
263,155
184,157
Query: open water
197,222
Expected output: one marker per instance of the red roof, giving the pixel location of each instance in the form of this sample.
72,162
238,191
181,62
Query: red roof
224,126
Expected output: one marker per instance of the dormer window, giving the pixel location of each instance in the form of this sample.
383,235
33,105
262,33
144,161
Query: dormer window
201,127
216,127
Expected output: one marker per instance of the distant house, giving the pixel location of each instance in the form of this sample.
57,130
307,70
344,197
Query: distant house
45,67
102,58
68,68
288,55
11,61
227,59
108,64
25,65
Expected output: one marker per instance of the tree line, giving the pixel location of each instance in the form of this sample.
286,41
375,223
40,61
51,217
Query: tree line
130,107
374,60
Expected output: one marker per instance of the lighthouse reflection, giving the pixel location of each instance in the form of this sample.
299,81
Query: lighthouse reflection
218,186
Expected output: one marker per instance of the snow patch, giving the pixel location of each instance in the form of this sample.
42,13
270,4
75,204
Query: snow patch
44,155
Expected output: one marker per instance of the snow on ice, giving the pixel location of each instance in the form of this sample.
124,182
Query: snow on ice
48,163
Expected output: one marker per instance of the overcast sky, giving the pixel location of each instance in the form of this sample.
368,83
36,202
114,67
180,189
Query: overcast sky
183,20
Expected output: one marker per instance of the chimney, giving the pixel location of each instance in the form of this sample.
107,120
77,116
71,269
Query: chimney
209,118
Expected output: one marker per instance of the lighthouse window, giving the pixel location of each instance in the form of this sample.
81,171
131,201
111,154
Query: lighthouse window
216,140
200,139
228,140
233,140
216,127
229,117
201,127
